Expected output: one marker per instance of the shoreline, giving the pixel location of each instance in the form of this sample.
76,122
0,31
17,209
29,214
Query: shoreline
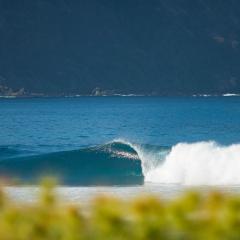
124,95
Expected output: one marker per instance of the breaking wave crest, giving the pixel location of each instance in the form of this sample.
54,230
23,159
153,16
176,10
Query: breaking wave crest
122,162
201,163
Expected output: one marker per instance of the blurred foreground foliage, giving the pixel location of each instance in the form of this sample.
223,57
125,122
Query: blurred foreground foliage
193,215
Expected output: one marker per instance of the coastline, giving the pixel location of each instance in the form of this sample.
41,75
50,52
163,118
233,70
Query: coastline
120,95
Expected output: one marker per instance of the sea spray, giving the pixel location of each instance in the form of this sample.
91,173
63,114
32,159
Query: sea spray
202,163
151,156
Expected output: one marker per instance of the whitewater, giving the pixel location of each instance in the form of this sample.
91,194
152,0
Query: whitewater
201,163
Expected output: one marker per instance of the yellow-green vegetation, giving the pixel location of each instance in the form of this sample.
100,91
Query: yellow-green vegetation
194,216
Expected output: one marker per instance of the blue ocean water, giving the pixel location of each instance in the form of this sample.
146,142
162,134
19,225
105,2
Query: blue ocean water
121,140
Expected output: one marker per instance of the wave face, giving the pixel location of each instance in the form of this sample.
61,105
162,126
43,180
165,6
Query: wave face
121,162
113,163
13,151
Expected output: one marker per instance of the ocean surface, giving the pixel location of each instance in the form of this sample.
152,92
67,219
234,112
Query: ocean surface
120,145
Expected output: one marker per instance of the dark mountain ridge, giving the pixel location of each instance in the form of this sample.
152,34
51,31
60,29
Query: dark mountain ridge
158,47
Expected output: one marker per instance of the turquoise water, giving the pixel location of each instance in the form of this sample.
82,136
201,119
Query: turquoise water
122,140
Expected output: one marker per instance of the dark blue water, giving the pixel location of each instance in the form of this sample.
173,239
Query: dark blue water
38,127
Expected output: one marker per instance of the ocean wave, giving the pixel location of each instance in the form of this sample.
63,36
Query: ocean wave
11,151
202,163
7,151
113,163
123,162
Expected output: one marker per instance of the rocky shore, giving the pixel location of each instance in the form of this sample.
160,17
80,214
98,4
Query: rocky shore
6,91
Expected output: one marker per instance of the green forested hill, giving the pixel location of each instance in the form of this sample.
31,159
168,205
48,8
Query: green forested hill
144,47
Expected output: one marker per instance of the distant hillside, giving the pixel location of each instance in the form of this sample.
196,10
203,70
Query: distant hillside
139,46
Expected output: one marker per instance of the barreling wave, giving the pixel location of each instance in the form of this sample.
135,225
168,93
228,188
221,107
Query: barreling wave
113,163
122,162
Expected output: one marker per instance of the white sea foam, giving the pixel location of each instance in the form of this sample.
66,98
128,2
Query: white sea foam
201,163
203,95
231,95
